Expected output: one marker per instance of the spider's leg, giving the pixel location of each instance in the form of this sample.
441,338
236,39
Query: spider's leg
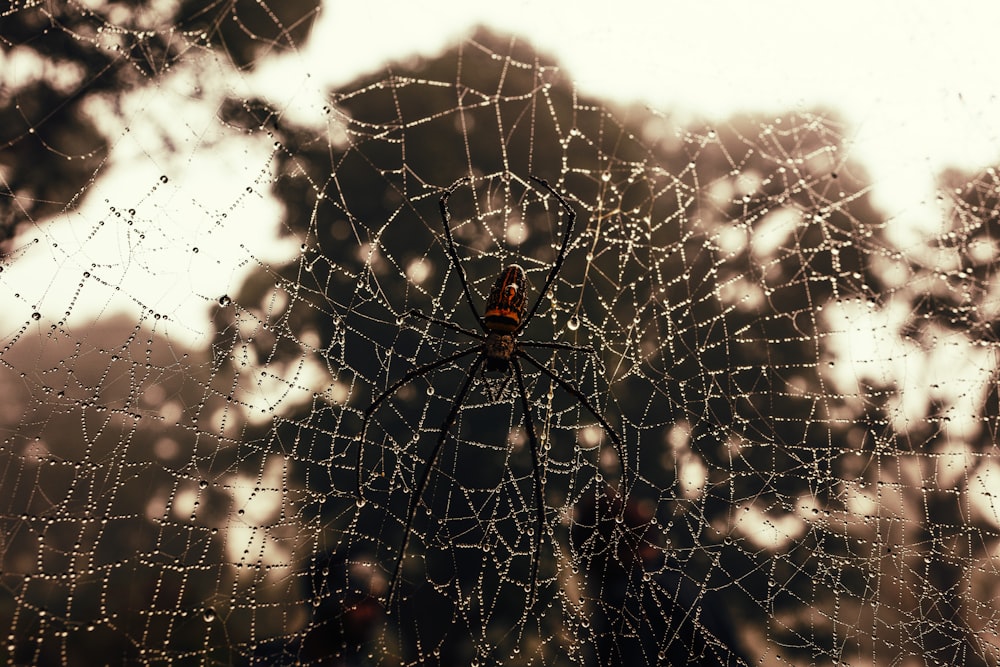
415,373
452,252
578,395
570,217
529,426
560,346
425,477
445,323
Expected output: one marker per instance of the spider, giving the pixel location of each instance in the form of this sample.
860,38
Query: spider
498,350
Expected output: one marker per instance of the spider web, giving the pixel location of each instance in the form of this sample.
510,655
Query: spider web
803,386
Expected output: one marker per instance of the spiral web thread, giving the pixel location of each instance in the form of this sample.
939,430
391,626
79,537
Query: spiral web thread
805,394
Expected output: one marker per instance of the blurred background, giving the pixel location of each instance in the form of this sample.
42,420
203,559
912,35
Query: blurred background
215,217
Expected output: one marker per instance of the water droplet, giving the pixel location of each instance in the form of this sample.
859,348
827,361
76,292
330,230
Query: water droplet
209,614
36,316
573,324
224,300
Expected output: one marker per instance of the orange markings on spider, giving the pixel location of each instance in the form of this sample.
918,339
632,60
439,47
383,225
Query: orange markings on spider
506,303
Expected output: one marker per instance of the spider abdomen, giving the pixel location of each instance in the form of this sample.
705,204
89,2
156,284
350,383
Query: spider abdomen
506,303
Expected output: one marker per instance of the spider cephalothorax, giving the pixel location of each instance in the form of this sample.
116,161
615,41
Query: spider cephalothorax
498,350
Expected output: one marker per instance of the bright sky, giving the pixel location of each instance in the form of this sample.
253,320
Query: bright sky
918,83
918,79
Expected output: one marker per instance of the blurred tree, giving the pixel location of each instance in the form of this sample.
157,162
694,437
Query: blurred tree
717,248
101,422
94,551
56,58
705,263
